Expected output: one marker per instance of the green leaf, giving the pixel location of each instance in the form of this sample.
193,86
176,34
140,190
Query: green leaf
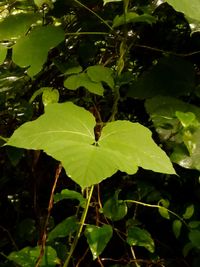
176,226
50,96
66,132
189,8
194,236
164,204
73,82
3,52
70,194
140,237
187,248
115,209
64,228
32,49
189,212
73,70
41,3
187,118
99,73
194,224
15,26
98,238
110,1
132,17
27,257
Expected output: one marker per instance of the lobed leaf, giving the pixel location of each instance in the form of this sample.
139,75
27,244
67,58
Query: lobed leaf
66,132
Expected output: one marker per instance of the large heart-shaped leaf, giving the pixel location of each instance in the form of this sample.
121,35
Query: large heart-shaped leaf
32,49
15,26
189,8
66,132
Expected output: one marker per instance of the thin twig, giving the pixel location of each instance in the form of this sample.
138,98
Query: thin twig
50,206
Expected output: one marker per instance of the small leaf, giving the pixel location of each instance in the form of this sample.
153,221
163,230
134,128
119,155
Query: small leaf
164,204
140,237
110,1
73,82
41,3
194,236
187,118
27,257
32,50
176,226
132,17
194,224
3,52
73,70
64,228
187,248
98,238
50,96
115,209
99,73
70,194
189,212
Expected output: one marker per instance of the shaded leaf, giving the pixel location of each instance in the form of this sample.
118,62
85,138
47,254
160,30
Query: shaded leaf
132,17
73,70
187,118
187,248
73,82
3,52
66,132
70,194
170,76
194,224
194,236
27,257
64,228
114,208
15,26
176,226
140,237
32,50
98,238
99,73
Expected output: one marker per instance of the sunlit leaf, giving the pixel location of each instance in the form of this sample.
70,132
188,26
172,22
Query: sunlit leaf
73,70
100,73
98,238
189,212
64,228
189,8
187,118
73,82
132,17
41,3
164,204
66,132
176,226
70,194
15,26
111,1
32,50
114,208
140,237
50,96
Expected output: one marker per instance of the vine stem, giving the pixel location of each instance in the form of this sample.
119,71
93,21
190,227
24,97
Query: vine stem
158,207
79,231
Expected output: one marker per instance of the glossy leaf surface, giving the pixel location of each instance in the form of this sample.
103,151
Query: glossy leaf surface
98,238
140,237
66,132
